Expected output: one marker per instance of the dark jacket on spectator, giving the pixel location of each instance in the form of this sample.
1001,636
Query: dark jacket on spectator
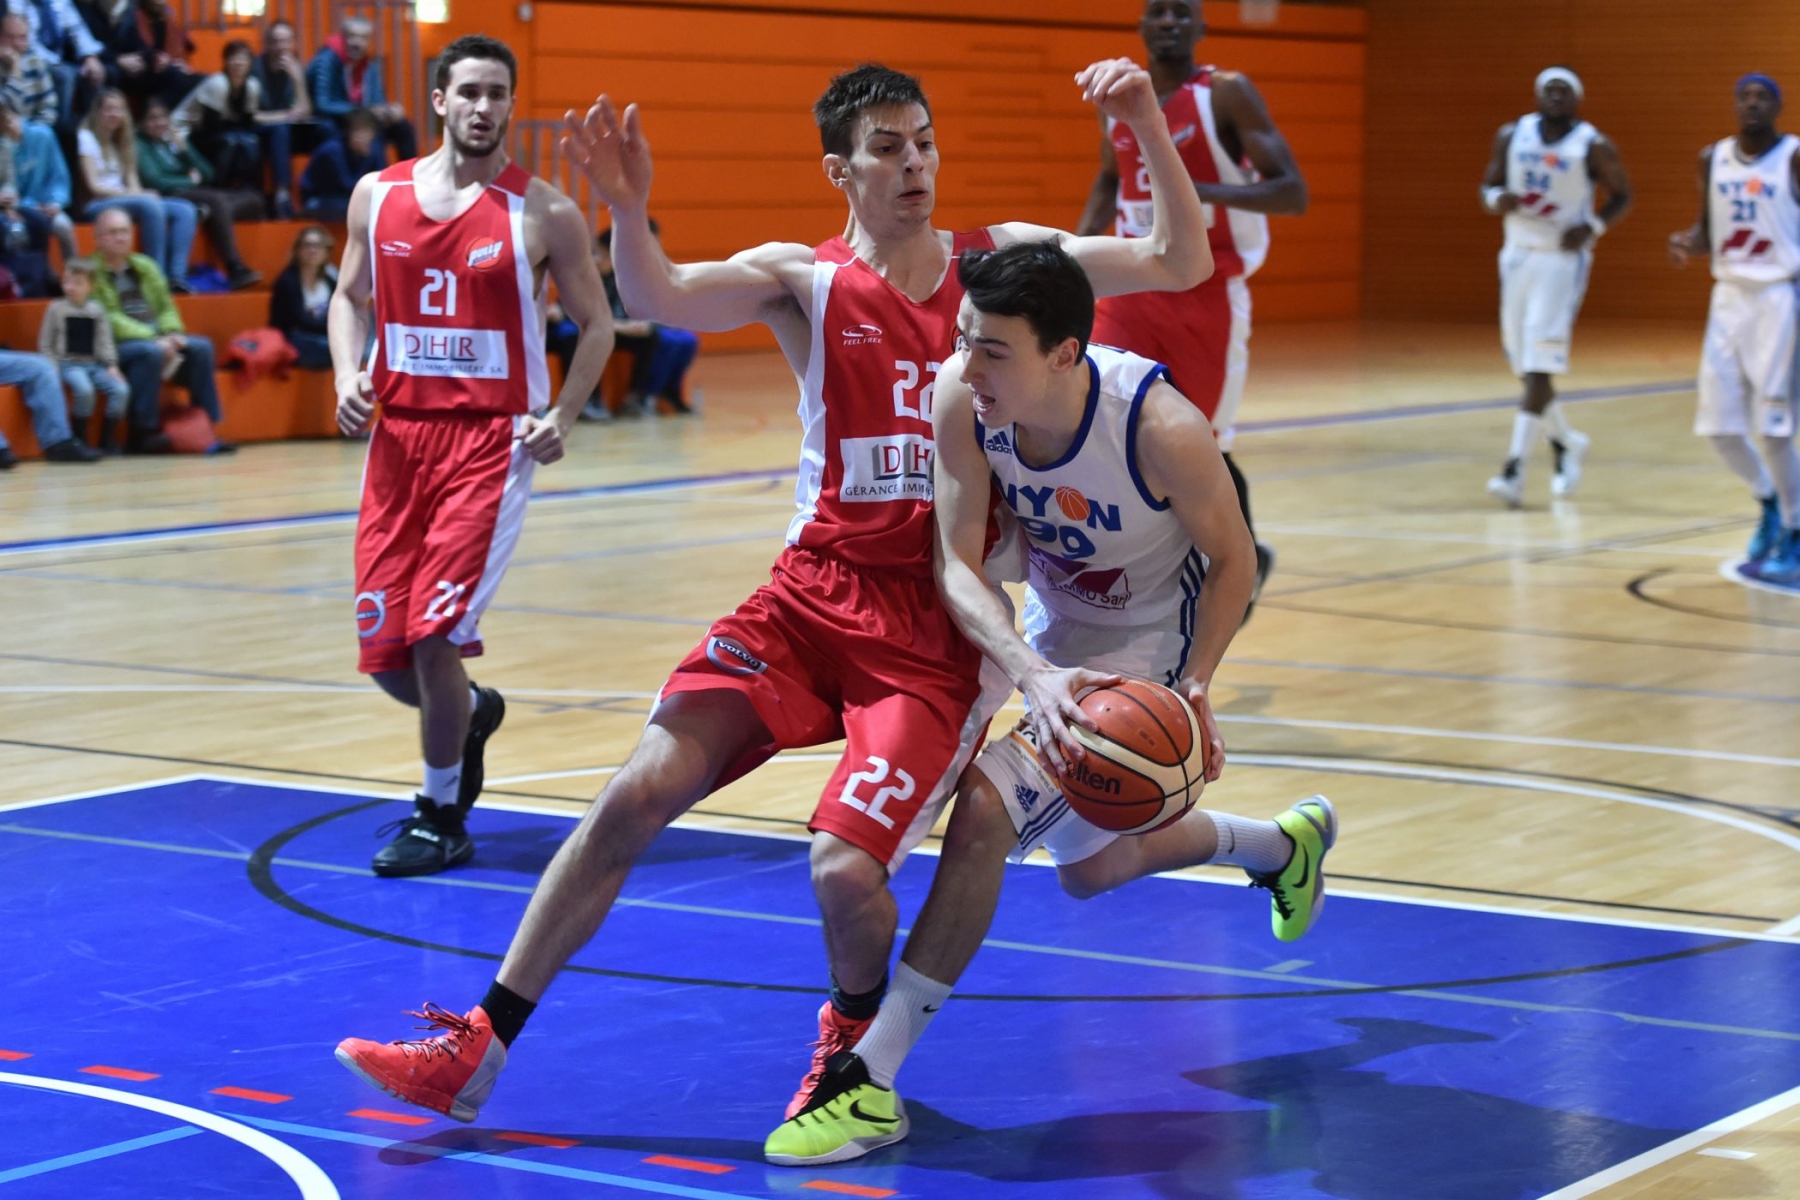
335,86
163,168
333,171
287,303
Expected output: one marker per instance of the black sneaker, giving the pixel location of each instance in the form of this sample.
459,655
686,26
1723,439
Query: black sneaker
482,722
431,840
1265,563
8,460
71,450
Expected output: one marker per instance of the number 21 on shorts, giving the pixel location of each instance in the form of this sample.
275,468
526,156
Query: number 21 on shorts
443,605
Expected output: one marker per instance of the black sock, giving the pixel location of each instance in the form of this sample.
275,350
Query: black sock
507,1011
858,1007
1243,490
1511,469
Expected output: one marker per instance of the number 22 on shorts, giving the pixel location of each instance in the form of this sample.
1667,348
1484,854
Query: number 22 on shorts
899,792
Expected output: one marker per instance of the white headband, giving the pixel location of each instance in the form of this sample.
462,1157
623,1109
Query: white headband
1559,75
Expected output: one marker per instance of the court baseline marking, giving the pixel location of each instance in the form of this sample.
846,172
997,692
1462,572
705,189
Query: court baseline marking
112,1150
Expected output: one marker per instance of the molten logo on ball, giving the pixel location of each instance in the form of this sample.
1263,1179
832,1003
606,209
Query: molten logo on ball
1086,776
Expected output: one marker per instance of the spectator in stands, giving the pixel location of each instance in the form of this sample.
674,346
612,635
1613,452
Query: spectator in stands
26,85
148,49
220,119
58,34
153,343
77,336
42,177
108,155
174,168
302,295
335,167
661,353
36,377
288,127
344,76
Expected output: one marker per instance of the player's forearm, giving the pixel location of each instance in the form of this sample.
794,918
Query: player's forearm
985,620
645,276
1177,240
586,365
347,330
1283,197
1615,208
1223,599
1102,200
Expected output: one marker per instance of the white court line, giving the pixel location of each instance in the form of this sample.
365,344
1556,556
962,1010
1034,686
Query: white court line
313,1183
1352,532
580,772
1678,1147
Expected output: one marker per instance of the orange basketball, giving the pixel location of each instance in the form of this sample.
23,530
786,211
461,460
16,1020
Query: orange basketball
1073,504
1146,764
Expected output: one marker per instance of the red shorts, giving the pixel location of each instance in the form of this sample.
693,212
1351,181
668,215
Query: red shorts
827,650
443,501
1201,335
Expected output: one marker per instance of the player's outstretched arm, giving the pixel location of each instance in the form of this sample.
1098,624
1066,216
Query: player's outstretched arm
1180,462
1103,197
347,318
1176,256
961,495
757,285
583,297
1697,238
1494,196
1281,190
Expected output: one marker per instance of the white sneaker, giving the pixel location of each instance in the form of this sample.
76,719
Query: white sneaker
1568,473
1510,488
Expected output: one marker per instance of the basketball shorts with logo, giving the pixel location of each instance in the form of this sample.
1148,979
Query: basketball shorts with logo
443,501
1201,335
828,649
1040,814
1747,362
1540,296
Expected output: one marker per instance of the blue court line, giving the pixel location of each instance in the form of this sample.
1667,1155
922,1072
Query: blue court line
486,1160
98,1152
1412,411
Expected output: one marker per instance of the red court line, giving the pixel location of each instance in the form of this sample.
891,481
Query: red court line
12,1055
689,1164
238,1093
849,1189
537,1139
375,1114
120,1073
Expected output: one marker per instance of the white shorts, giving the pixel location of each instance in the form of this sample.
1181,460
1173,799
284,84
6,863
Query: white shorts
1748,361
1540,296
1040,814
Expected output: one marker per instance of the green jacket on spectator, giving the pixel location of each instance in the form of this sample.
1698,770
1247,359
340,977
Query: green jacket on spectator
156,292
164,168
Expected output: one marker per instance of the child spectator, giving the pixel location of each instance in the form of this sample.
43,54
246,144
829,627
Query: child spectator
77,336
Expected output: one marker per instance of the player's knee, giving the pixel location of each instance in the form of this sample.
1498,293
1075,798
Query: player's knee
402,685
1081,884
980,824
846,878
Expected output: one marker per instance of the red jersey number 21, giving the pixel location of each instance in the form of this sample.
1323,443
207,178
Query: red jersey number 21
438,297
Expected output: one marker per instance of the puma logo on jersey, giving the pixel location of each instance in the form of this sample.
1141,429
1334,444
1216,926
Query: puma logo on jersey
485,253
862,335
397,249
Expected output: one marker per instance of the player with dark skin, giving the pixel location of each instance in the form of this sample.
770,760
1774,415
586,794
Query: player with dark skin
1559,107
1758,109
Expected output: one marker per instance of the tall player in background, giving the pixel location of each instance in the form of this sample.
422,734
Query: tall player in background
1243,172
1750,222
453,248
1541,178
849,638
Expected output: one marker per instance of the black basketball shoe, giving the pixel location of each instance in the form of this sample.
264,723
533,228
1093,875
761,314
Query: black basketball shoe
489,712
432,839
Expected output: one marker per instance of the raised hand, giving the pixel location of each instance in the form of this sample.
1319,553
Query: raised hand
1121,89
611,151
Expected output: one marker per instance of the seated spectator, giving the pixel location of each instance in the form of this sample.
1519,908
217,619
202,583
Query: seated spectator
302,297
174,169
335,167
77,337
26,85
108,156
58,34
288,127
24,230
153,343
148,49
41,176
344,76
661,354
36,377
219,119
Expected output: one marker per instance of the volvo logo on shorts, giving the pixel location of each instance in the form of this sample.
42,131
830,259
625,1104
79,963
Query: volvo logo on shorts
729,655
371,613
484,252
397,249
862,335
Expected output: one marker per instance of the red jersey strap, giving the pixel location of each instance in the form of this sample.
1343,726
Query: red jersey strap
514,179
400,172
1203,75
974,239
837,250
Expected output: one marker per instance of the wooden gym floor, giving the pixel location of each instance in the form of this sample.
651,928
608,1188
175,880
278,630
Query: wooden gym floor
1564,708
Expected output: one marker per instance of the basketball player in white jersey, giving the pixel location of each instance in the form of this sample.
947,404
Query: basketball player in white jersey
1242,170
1750,222
451,251
1541,180
1062,427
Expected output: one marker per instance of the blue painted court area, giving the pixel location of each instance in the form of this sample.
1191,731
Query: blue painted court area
214,934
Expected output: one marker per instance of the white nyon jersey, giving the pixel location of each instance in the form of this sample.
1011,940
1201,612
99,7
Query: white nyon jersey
1551,180
1753,214
1103,550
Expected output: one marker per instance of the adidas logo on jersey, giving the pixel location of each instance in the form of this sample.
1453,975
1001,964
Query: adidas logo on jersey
998,442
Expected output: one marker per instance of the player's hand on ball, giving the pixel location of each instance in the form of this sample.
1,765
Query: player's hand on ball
611,151
1121,89
1051,706
355,403
1209,727
543,438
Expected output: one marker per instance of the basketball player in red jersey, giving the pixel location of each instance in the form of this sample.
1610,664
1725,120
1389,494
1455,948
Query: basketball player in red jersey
1242,170
849,639
453,249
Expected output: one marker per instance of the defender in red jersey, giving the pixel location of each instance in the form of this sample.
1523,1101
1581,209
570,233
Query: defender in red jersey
453,249
1243,172
849,639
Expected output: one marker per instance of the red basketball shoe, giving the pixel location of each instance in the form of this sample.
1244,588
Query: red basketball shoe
451,1073
836,1032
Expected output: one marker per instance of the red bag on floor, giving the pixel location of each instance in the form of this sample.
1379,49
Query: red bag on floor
190,430
259,352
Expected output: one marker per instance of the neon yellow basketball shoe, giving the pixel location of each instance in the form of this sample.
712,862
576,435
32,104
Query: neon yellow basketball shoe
847,1117
1297,891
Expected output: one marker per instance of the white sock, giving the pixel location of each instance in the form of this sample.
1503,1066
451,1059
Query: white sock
1744,462
911,1001
1257,846
1526,427
441,783
1556,424
474,699
1784,469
